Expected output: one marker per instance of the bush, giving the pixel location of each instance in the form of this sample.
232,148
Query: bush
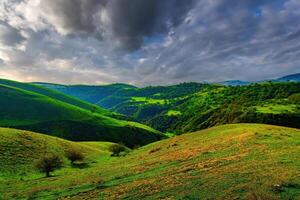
116,149
49,163
74,155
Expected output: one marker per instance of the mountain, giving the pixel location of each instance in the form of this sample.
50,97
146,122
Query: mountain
292,77
114,95
235,83
193,106
57,95
269,103
244,161
24,109
88,93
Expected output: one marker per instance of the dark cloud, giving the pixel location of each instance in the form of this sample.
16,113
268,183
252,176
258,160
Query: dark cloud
9,35
134,19
165,41
127,21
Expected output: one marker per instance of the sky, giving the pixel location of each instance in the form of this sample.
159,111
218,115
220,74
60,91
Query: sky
148,42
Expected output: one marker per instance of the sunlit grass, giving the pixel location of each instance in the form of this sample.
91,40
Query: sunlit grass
234,161
277,109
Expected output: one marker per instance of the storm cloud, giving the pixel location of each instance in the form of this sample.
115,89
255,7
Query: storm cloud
127,21
148,42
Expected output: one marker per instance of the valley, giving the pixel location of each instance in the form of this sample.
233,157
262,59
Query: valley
187,140
149,100
245,161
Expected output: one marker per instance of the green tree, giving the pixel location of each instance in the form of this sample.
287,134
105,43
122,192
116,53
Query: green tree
49,163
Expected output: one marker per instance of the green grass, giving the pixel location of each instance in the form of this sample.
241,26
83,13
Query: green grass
148,100
278,109
238,161
173,113
193,106
21,149
28,110
56,95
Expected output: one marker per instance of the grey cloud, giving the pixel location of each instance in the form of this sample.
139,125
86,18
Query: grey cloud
9,35
127,21
230,41
189,41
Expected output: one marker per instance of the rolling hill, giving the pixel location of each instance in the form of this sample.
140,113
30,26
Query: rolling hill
89,93
268,103
238,161
29,110
193,106
59,96
21,149
114,95
292,77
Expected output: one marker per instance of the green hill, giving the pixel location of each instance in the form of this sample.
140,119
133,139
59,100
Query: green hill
115,95
89,93
244,161
193,106
35,112
58,96
267,103
21,149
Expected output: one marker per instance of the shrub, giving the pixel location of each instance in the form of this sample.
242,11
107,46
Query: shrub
74,155
116,149
49,163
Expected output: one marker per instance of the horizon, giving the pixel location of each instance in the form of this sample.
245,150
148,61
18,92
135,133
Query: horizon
142,43
153,85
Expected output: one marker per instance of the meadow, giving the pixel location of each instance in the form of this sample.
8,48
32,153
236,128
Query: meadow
238,161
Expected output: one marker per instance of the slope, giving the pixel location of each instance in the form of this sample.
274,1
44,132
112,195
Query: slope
291,77
193,106
31,111
243,161
21,149
268,103
88,93
59,96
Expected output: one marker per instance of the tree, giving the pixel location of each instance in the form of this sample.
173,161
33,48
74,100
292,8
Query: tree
49,163
74,155
116,149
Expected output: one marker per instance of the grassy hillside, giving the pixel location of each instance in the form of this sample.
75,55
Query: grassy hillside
268,103
21,149
245,161
58,96
192,106
89,93
113,96
35,112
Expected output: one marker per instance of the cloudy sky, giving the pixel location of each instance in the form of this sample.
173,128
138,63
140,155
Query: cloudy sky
146,42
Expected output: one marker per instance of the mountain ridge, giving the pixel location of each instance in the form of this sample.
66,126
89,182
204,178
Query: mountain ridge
32,111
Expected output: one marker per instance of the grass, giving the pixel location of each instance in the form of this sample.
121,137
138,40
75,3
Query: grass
238,161
146,100
173,113
28,110
56,95
20,149
277,108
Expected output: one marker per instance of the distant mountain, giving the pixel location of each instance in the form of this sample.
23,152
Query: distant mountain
90,93
193,106
235,83
292,77
114,95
